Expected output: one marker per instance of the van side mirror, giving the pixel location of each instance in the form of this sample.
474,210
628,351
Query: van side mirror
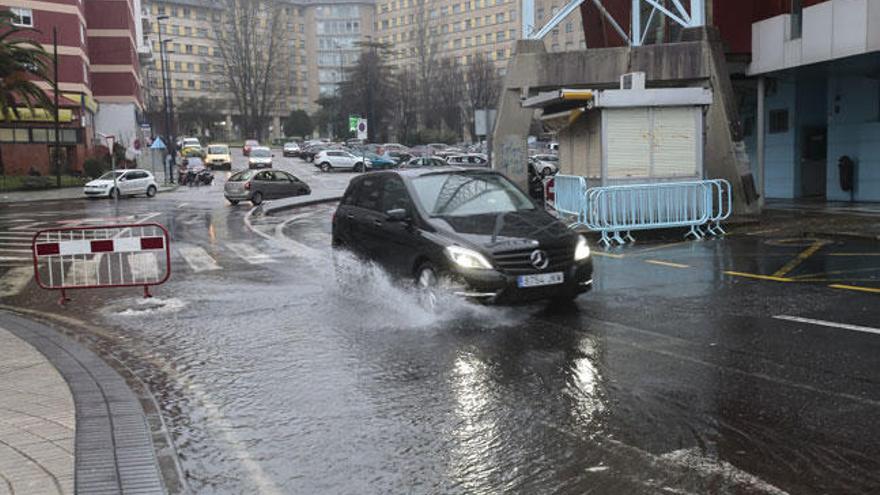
396,215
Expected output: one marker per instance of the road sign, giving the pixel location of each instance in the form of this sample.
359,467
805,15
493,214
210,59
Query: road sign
353,122
158,144
362,128
484,120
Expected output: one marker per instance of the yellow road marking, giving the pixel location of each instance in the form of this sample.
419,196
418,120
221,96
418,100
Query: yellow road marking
806,253
656,248
607,255
667,263
836,272
856,288
759,277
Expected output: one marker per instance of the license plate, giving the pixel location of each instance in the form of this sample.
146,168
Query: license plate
539,280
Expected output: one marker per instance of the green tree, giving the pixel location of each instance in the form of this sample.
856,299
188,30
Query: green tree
22,63
298,123
197,114
369,89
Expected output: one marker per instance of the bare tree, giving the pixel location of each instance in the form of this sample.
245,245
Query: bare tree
483,87
427,44
254,48
405,119
450,94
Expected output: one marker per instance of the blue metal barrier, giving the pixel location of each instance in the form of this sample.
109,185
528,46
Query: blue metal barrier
616,211
570,193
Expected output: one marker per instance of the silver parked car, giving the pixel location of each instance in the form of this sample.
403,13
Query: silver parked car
256,186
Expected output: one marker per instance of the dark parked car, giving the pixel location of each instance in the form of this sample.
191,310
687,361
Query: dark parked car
255,186
473,229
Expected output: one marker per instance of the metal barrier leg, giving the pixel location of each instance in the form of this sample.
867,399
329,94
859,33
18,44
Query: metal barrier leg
629,236
605,240
147,292
619,240
63,299
693,232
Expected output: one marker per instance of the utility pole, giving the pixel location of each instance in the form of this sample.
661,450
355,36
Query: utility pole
57,154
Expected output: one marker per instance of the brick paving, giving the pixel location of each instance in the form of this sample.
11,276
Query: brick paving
37,422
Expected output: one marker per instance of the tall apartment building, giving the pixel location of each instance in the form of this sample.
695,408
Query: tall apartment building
99,80
322,39
426,30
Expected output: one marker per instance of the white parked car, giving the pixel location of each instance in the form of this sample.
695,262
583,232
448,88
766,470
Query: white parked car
468,160
546,164
128,183
327,160
260,157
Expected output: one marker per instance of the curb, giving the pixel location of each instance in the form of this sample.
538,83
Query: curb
114,449
269,208
78,197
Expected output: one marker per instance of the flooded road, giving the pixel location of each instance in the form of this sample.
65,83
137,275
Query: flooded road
664,379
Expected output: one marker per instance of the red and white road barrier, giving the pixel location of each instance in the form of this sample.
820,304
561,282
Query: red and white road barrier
132,255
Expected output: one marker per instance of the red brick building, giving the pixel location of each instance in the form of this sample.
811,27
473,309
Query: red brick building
98,78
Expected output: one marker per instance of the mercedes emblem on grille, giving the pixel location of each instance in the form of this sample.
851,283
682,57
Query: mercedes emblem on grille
539,258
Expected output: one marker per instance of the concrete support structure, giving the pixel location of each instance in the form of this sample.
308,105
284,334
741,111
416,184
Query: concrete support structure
696,61
759,129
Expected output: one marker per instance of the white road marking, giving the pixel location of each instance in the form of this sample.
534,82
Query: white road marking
181,205
198,259
15,280
844,326
249,253
17,235
14,258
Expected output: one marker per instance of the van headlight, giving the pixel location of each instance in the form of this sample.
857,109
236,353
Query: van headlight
582,251
467,258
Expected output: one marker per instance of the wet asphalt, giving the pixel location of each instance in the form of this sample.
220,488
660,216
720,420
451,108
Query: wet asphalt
681,372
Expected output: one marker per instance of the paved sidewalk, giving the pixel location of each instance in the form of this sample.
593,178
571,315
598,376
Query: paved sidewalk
68,421
54,194
803,218
37,422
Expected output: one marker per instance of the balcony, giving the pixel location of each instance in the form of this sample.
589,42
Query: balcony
828,31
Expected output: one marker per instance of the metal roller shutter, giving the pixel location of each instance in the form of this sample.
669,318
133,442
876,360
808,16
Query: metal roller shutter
674,150
628,143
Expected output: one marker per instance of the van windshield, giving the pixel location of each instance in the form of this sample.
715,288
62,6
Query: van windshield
465,194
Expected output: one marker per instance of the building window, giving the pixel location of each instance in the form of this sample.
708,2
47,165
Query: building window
189,49
797,15
191,84
82,34
160,10
22,17
569,27
85,73
778,121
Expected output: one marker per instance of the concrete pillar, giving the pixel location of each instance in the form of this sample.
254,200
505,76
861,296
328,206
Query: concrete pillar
759,129
228,127
510,137
277,131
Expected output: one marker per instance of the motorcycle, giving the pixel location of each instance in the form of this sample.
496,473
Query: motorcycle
205,176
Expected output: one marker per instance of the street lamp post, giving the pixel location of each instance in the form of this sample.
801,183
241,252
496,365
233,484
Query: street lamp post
340,81
166,96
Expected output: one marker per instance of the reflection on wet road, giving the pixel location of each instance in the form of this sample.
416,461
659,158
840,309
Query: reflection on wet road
670,377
